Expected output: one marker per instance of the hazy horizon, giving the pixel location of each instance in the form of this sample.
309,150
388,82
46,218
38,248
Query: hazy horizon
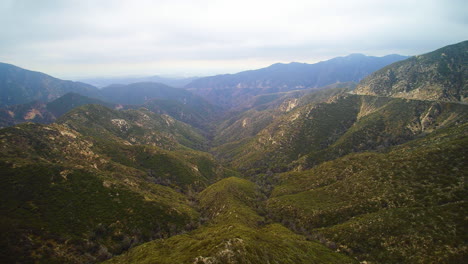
89,39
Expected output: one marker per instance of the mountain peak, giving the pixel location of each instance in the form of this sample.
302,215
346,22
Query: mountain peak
281,77
23,86
437,75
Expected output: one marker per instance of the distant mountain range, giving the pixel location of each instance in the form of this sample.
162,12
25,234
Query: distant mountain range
174,82
307,175
139,93
28,96
234,89
19,86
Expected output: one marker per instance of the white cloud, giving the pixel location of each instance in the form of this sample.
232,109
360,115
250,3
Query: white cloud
74,37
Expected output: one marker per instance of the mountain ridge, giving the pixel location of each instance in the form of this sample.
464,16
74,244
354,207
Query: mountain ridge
44,113
174,82
234,89
301,176
23,86
437,75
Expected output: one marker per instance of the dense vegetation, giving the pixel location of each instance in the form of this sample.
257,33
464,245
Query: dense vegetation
321,131
302,176
393,207
234,233
87,193
63,201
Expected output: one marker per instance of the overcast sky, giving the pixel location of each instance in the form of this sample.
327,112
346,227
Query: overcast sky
88,38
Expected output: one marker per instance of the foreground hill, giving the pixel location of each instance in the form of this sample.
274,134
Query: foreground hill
438,75
63,201
20,86
407,205
85,189
232,90
234,233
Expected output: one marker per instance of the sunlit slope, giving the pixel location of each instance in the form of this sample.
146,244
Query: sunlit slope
438,75
407,205
313,133
233,233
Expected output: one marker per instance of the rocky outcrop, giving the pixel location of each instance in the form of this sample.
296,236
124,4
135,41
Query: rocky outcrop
439,76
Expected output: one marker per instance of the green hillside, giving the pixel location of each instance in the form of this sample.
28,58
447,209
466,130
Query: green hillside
133,127
407,205
90,188
438,75
313,133
61,199
267,108
370,175
62,105
234,233
197,113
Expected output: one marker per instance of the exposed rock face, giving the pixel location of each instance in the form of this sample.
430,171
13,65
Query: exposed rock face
44,113
438,75
31,112
346,123
289,105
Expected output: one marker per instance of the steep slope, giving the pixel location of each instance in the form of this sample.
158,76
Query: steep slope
346,123
404,206
97,183
162,99
63,104
267,108
163,147
328,176
65,201
438,75
20,86
232,90
384,122
44,113
30,112
132,127
197,113
234,233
